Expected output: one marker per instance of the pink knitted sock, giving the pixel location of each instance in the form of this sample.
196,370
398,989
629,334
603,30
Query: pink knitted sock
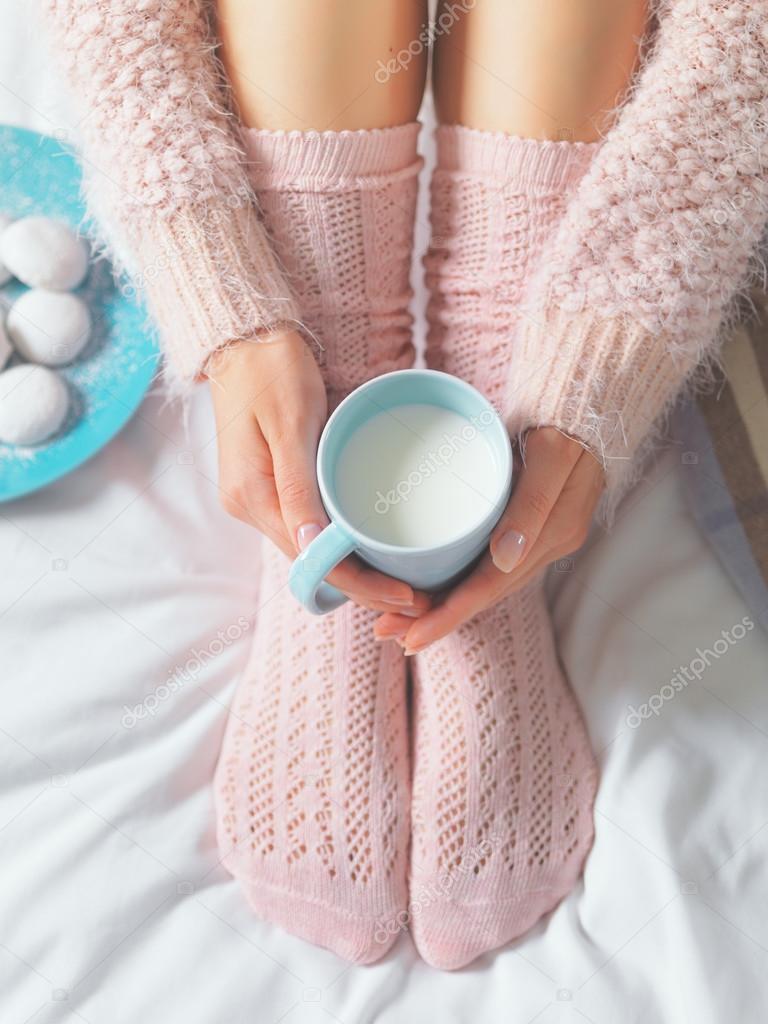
312,784
504,777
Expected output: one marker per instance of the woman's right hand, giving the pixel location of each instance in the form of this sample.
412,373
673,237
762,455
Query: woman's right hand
270,405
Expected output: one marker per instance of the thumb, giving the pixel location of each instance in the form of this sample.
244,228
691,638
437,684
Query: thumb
550,459
293,463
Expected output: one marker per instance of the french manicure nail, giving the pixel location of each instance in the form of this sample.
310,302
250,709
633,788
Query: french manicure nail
306,533
508,551
410,649
399,600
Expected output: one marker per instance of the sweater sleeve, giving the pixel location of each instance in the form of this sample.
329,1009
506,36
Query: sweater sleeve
657,243
164,173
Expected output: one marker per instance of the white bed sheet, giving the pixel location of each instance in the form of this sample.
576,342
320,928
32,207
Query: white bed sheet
113,908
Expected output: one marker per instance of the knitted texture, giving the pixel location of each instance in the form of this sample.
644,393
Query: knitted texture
312,786
504,778
658,241
339,209
164,173
503,783
495,201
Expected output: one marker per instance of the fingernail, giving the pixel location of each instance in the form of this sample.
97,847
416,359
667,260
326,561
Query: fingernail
412,613
393,632
389,636
508,551
399,600
409,651
306,533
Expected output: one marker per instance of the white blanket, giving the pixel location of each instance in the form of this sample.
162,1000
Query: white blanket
114,584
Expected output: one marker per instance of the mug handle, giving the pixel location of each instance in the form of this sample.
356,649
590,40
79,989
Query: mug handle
312,566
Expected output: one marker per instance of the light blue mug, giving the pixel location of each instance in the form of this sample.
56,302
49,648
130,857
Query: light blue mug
425,568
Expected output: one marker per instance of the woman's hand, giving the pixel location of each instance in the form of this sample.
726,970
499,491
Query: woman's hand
270,405
547,517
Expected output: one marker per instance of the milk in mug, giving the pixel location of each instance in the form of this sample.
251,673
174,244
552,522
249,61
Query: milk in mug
417,475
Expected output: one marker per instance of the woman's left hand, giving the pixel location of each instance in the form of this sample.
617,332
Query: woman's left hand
548,517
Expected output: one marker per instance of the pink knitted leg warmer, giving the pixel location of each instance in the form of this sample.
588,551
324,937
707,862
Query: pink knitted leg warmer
504,777
312,785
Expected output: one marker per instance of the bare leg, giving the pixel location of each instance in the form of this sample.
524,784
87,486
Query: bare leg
312,64
542,69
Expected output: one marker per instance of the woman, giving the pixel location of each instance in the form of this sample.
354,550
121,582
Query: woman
598,198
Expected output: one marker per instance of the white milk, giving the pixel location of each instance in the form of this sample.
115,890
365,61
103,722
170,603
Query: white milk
417,475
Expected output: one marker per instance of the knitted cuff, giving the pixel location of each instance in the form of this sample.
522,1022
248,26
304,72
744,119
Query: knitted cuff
603,382
209,277
309,161
531,164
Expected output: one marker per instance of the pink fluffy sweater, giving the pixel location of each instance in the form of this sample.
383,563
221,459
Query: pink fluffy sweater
659,242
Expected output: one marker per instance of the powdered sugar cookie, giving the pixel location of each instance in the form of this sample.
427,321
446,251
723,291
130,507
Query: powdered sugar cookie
47,327
44,253
33,404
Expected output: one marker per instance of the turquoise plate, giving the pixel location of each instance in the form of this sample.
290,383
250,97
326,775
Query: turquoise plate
38,175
